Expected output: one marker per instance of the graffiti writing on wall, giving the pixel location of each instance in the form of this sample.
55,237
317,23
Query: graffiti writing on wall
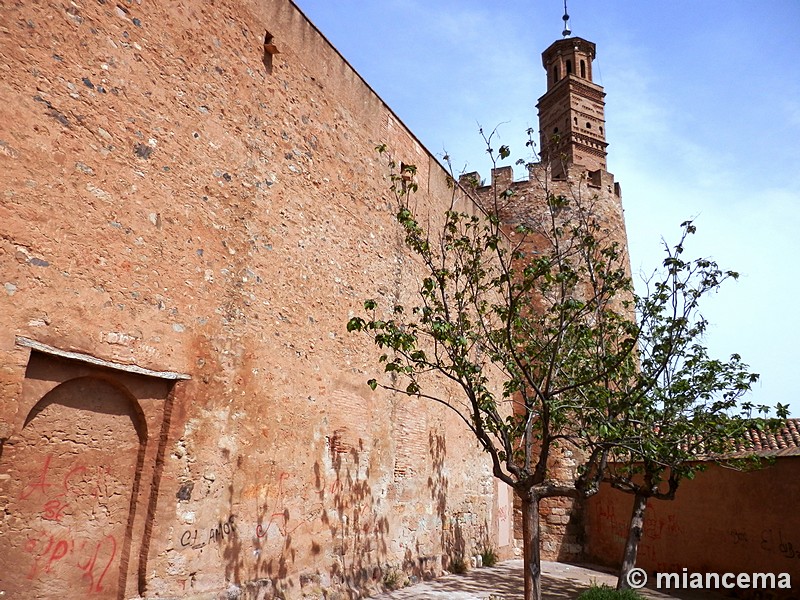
281,511
92,558
56,495
770,540
660,524
61,504
738,536
276,518
656,524
776,541
199,538
608,520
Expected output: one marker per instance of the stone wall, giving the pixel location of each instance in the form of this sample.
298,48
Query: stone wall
186,224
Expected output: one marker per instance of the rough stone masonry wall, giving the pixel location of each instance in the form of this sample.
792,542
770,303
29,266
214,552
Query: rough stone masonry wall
176,199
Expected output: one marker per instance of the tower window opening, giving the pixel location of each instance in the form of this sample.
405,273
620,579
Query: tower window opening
583,69
569,67
601,130
555,74
555,129
575,120
588,125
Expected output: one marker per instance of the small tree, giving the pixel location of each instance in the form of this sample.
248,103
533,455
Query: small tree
538,335
546,317
681,408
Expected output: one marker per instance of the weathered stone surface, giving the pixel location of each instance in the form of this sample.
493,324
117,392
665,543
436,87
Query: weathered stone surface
169,201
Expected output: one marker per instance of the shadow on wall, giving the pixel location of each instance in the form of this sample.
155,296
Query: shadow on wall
574,533
359,534
233,552
331,534
452,536
339,528
458,546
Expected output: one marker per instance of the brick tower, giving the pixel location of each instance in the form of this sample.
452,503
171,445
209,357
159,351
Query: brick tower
571,112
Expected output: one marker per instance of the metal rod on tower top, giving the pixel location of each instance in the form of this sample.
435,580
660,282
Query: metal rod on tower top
566,33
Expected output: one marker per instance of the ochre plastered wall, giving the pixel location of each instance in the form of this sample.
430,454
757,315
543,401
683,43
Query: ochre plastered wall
723,521
175,199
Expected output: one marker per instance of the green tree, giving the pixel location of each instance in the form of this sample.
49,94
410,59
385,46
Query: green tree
681,409
537,335
548,317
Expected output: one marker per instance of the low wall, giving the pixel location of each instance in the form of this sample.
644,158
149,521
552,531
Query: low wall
722,521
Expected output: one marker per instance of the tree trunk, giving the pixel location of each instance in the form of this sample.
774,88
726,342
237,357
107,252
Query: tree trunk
632,543
532,564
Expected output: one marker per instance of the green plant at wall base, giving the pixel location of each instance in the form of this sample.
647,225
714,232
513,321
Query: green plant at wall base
458,565
394,578
488,556
604,592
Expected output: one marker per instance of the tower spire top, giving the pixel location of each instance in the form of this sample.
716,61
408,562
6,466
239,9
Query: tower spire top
567,32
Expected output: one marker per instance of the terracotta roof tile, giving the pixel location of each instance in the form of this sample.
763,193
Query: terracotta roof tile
785,442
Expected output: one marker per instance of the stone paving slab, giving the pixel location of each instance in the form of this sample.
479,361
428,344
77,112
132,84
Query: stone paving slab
559,582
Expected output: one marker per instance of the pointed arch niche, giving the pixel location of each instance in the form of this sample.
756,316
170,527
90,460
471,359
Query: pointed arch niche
81,474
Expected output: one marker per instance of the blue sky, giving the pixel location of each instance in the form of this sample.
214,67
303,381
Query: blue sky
702,120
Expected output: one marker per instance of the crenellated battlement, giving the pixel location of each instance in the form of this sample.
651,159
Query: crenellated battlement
502,178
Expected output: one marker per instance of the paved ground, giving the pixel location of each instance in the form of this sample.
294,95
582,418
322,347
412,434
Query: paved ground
559,582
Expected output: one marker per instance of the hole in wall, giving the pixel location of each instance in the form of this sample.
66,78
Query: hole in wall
270,49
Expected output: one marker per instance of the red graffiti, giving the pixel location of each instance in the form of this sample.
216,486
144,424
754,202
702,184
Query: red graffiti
278,513
365,520
59,552
607,517
41,484
605,510
91,564
46,549
56,546
93,558
77,482
335,487
655,525
53,510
